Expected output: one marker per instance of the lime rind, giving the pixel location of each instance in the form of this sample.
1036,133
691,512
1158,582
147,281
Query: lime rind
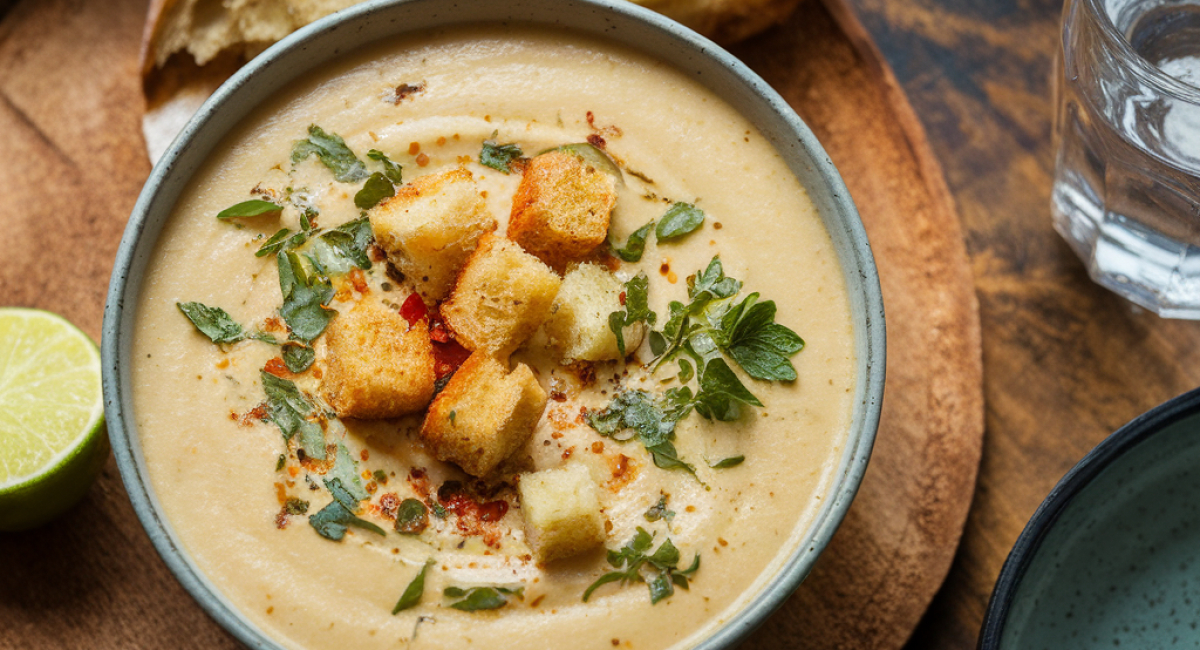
50,400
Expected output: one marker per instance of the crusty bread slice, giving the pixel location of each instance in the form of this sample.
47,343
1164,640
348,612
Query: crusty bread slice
484,414
430,227
561,508
502,296
375,365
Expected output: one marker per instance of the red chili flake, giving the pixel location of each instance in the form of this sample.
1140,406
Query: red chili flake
404,90
388,505
414,309
622,298
359,280
558,396
447,357
591,119
596,141
273,324
438,332
277,367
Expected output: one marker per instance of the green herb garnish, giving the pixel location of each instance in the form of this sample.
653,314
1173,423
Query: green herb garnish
636,309
289,409
251,208
380,476
412,518
298,357
659,510
480,598
295,506
331,522
412,594
377,188
304,299
280,462
333,152
214,322
499,156
345,472
629,561
347,244
732,461
282,240
637,413
634,246
390,169
679,220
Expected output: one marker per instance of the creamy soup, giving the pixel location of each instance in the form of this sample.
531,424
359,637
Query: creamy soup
238,496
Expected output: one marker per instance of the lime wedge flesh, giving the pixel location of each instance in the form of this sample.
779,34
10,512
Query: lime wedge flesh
52,438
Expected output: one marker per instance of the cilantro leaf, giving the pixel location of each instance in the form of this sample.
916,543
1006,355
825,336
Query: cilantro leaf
679,220
298,357
636,309
634,246
251,208
350,242
499,156
213,322
333,152
289,410
663,563
304,299
413,592
331,522
480,598
390,169
377,188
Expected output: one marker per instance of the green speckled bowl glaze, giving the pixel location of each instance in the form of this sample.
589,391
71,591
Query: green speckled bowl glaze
1112,557
615,20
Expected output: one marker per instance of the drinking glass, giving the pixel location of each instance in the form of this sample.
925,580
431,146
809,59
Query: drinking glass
1126,191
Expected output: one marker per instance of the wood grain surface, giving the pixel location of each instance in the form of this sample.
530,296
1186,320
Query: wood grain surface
70,107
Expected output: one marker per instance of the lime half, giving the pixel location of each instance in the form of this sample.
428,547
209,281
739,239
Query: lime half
52,437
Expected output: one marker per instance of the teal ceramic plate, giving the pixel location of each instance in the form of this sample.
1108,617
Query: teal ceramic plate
1112,557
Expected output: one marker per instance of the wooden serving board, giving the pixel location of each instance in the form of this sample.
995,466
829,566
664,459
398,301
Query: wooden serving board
74,161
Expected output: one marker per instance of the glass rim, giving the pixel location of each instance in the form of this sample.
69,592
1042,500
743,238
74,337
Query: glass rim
1145,70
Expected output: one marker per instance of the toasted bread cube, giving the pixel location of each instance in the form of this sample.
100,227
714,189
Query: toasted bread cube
375,365
561,508
484,414
578,324
430,227
561,209
502,297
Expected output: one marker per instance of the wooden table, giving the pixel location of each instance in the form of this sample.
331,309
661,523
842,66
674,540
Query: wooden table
1065,361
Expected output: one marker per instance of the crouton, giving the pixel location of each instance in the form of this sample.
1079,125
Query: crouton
561,208
484,414
430,227
375,365
501,298
561,508
578,324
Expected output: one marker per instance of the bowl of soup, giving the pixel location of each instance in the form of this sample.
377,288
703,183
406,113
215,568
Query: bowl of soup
493,323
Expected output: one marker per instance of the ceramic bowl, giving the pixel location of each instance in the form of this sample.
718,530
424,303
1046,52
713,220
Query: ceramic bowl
1112,557
620,22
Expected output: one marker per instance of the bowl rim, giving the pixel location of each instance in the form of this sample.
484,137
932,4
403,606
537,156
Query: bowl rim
1072,484
852,247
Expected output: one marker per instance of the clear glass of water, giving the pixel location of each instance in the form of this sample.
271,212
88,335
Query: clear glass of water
1127,179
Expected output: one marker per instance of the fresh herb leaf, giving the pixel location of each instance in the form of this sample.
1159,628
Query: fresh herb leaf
280,463
380,476
659,510
298,357
663,565
251,208
390,169
651,420
345,471
721,393
331,522
295,506
212,322
724,463
761,346
499,156
348,243
413,592
679,220
439,510
412,518
333,152
636,309
634,246
377,188
480,598
304,299
289,409
596,157
341,494
280,241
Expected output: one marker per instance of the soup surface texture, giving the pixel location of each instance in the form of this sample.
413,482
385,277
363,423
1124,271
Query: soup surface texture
239,496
